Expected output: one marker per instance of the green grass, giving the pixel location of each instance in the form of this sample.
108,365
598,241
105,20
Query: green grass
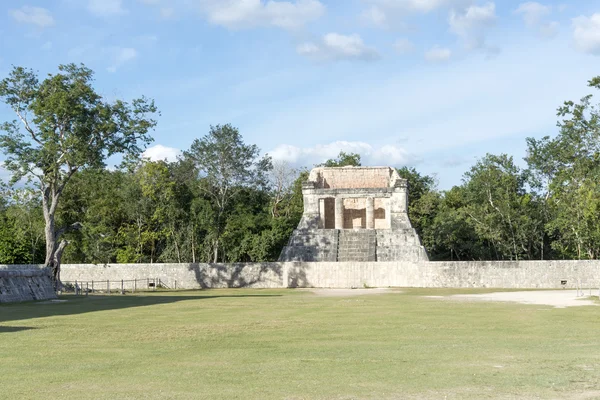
285,344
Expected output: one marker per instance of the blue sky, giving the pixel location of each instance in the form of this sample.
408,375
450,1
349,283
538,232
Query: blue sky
433,84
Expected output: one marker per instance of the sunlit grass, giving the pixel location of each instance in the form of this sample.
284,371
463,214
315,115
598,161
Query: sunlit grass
285,344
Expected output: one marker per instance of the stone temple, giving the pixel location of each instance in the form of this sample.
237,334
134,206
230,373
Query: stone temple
354,214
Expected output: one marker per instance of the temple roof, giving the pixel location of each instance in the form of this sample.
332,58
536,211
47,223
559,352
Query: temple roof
354,177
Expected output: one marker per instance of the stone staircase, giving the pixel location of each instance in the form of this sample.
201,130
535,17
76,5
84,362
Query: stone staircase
331,245
357,245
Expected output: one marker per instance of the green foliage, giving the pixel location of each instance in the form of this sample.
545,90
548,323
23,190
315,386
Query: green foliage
223,202
423,198
67,128
343,160
565,172
226,166
21,227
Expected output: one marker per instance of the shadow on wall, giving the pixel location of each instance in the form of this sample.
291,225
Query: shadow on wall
255,275
81,305
297,276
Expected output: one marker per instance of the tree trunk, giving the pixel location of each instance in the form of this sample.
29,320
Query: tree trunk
193,245
50,233
216,251
54,250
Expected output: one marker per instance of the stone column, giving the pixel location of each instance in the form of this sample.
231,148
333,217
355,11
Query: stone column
321,213
370,211
339,213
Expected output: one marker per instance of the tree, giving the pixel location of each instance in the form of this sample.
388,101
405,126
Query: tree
68,127
22,226
343,160
423,199
226,165
566,171
281,179
502,210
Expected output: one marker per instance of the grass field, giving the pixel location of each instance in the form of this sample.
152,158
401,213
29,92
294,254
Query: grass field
286,344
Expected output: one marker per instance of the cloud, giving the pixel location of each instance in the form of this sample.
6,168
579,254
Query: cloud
533,13
239,14
587,34
104,8
375,15
416,6
438,54
403,46
384,13
120,56
33,15
535,17
161,153
471,24
384,155
334,46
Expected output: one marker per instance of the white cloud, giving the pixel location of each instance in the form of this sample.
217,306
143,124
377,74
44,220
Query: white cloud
467,108
403,46
535,17
335,46
418,6
438,54
375,16
33,15
238,14
385,155
471,24
533,13
103,8
120,56
385,13
587,33
161,153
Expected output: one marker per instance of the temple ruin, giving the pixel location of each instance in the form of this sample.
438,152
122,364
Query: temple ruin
354,214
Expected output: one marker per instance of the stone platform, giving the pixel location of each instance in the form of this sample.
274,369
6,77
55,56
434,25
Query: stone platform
25,283
354,214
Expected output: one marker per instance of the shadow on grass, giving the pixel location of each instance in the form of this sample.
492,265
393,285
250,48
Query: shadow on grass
12,329
80,305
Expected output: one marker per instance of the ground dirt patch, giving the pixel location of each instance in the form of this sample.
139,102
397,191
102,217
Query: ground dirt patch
555,298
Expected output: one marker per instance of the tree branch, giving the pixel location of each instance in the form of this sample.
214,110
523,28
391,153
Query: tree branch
73,227
27,127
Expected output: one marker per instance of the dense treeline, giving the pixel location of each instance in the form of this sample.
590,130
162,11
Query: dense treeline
222,202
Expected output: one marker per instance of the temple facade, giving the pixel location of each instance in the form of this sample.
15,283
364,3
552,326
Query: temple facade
354,214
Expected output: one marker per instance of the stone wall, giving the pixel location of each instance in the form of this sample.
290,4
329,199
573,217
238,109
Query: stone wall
25,283
184,276
351,177
508,275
